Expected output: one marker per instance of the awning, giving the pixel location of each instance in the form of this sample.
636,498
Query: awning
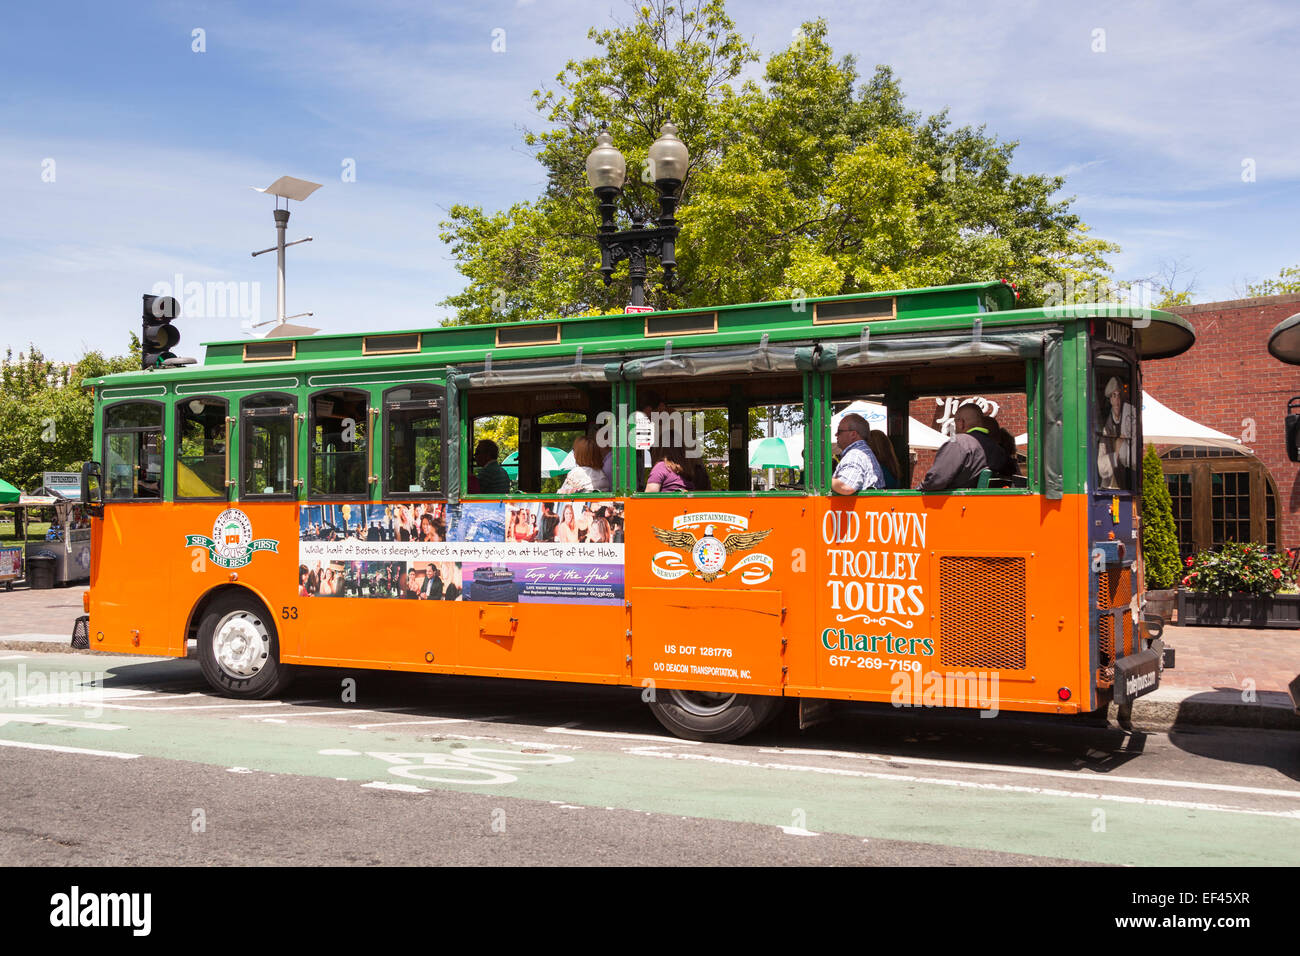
8,493
1284,341
1161,425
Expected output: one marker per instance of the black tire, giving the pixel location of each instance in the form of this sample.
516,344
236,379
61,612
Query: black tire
251,674
713,718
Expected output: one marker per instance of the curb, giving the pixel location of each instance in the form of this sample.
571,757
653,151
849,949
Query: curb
1169,708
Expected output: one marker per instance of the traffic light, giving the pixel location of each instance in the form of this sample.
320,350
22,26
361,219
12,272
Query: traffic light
157,334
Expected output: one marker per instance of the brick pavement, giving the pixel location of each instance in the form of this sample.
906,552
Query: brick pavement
1207,657
50,611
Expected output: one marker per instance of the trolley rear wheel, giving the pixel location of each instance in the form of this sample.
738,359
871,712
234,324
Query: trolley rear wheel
715,717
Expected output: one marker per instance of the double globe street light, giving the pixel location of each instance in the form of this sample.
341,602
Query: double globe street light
606,173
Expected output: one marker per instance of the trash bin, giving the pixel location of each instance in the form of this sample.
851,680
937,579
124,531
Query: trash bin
40,571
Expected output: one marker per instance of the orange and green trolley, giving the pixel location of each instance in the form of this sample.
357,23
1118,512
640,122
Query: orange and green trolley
316,500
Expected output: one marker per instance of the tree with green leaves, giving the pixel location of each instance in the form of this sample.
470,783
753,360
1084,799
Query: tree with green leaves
1287,282
1159,539
808,183
48,417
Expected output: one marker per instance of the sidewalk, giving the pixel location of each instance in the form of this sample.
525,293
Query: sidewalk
1222,675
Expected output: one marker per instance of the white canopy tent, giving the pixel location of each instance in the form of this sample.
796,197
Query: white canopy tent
1161,425
876,415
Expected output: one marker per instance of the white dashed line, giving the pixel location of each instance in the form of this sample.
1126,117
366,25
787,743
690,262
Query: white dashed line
67,750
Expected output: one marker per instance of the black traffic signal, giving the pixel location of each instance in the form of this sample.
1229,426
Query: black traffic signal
157,334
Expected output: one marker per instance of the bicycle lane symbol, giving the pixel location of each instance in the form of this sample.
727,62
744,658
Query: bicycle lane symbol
466,765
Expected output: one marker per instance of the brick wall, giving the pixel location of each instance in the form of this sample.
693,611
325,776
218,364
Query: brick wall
1228,377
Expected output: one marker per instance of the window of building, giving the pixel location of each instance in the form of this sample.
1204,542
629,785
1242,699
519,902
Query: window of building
1180,497
1219,496
269,461
1229,507
202,433
133,435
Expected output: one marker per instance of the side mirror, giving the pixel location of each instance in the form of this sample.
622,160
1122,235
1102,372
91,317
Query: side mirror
92,489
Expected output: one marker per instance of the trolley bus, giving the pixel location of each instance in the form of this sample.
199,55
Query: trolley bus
314,500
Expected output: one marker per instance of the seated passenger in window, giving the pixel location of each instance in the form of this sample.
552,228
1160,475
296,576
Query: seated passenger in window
669,471
958,463
587,475
858,469
879,444
492,478
1007,443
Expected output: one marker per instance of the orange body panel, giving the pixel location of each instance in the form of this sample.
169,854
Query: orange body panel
840,598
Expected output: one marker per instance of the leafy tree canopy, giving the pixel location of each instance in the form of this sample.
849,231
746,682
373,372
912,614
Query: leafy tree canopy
48,416
808,183
1287,281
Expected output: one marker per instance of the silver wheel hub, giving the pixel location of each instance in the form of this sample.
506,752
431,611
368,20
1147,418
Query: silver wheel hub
241,644
702,703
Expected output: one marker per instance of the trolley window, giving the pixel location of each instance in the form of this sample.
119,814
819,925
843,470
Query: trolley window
340,444
413,441
133,437
269,460
202,459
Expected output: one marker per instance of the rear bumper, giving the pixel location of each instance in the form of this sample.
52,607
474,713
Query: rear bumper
1139,674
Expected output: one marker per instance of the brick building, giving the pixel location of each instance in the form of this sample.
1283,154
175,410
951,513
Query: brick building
1229,382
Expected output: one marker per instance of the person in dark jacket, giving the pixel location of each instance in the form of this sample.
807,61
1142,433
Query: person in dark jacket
959,462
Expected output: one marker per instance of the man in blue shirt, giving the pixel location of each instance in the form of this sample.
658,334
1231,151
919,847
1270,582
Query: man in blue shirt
858,470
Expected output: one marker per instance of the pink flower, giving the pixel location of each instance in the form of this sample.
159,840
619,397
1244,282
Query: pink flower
1186,581
1189,562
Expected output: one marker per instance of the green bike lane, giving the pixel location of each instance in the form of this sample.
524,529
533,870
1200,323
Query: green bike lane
1087,819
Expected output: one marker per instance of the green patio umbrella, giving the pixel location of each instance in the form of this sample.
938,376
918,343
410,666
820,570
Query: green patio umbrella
8,493
777,453
552,463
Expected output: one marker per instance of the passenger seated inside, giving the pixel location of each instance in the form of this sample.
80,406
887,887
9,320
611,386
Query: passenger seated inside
492,478
959,462
669,471
1008,445
878,441
588,475
858,469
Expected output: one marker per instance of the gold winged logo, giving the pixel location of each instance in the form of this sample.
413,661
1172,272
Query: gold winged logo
708,553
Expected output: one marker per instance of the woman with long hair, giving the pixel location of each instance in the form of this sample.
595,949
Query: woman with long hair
566,532
588,473
881,447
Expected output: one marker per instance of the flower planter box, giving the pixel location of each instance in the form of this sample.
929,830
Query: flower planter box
1197,609
1163,603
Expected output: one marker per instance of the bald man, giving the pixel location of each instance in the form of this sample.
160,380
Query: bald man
959,462
859,469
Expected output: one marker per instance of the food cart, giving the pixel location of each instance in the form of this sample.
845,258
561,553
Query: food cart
67,540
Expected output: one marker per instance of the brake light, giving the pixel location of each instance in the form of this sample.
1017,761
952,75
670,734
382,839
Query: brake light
1063,693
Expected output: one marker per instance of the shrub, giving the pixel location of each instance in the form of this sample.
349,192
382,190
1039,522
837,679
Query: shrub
1240,568
1159,539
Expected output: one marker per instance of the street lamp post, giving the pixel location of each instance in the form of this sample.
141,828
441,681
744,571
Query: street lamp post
606,173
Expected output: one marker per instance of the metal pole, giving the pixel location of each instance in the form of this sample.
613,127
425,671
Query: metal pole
281,223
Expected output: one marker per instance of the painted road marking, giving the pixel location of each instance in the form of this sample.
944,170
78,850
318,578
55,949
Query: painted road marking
465,765
57,722
67,750
965,784
615,735
399,787
13,657
1040,772
411,723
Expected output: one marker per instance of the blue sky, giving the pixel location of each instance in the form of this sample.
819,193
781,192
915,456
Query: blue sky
152,147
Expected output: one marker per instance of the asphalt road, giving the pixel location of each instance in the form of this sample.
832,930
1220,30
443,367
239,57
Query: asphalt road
151,768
